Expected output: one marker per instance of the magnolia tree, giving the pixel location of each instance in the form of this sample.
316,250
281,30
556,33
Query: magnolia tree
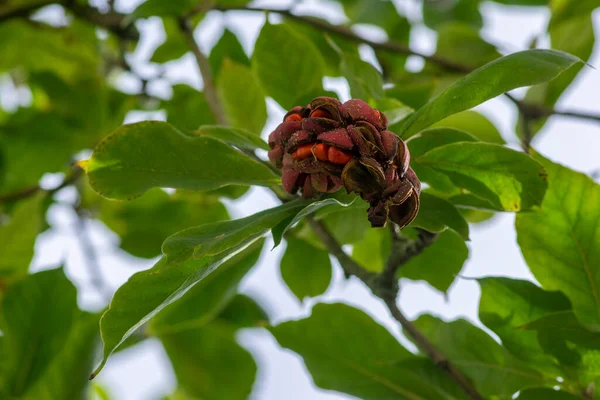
399,172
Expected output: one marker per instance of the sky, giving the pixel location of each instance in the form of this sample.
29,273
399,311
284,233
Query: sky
143,372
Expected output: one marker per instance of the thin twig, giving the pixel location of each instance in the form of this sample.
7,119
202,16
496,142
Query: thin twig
209,87
32,190
351,267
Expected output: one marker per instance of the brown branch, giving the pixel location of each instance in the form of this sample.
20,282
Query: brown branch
209,87
351,267
32,190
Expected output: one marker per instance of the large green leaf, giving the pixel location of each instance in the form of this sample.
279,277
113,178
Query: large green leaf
506,304
149,154
561,242
346,351
242,97
437,214
188,108
212,239
148,292
438,264
17,237
143,224
305,269
227,48
48,342
287,64
238,137
474,123
508,179
524,68
493,371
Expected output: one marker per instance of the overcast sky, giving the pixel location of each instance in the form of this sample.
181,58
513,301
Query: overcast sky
144,372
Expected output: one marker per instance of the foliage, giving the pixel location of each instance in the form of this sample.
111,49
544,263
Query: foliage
168,191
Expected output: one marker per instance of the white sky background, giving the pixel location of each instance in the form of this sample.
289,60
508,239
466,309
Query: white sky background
144,372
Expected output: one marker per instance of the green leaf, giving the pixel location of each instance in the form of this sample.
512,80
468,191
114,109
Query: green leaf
368,365
437,14
560,242
364,80
175,8
206,360
48,342
305,269
215,238
17,237
161,285
238,137
205,300
144,223
508,179
330,204
462,44
524,68
567,9
243,312
286,64
227,48
394,110
475,124
546,393
440,263
242,97
506,304
174,46
149,154
372,251
188,108
435,214
484,361
413,89
381,13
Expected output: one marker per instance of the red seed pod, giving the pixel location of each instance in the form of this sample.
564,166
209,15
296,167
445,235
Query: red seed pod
338,138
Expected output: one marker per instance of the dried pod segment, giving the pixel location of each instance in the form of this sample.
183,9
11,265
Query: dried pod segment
328,144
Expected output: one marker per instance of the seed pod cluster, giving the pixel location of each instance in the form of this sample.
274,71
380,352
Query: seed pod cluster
327,145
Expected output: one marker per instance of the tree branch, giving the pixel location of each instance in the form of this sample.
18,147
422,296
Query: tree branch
209,87
32,190
351,267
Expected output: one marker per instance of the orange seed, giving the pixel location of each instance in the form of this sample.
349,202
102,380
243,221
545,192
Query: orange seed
337,156
293,117
302,152
320,151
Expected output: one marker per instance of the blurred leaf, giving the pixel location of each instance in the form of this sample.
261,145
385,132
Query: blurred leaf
243,312
379,13
545,393
369,365
206,359
242,97
392,63
506,304
238,137
348,225
148,292
144,223
394,110
524,68
188,109
508,179
48,342
175,45
567,9
364,80
227,48
437,214
149,154
462,44
17,237
413,89
305,269
70,51
560,241
474,123
484,361
175,8
437,13
372,251
205,300
286,64
438,264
